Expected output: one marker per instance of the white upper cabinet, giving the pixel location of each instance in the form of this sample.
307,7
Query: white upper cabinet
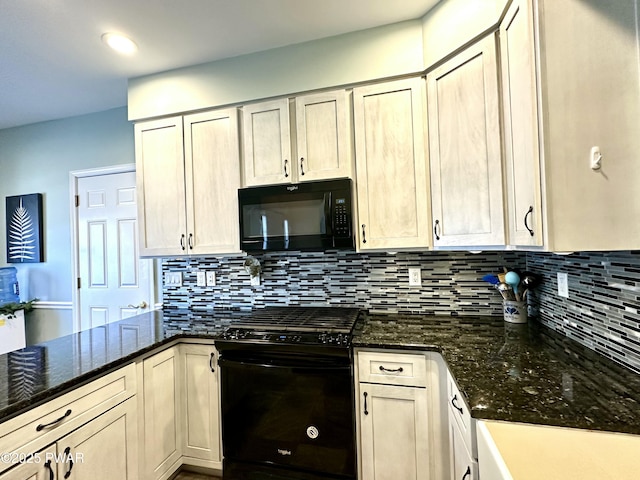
520,107
323,136
160,183
465,149
392,183
314,145
188,174
267,143
212,154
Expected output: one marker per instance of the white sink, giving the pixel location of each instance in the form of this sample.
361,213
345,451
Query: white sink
518,451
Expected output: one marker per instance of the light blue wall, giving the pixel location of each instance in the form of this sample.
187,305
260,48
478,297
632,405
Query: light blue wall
37,159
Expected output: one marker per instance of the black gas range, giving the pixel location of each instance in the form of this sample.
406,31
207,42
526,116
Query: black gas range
303,330
287,395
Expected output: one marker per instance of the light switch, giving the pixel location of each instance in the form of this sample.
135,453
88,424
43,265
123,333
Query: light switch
201,279
173,279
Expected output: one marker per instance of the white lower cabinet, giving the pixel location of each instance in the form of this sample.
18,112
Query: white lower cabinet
200,416
463,451
42,469
161,445
394,432
103,449
463,465
401,427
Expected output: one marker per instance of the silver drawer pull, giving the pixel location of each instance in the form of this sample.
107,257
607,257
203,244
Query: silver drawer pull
391,370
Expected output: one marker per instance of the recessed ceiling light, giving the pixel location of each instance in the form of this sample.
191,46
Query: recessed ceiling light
120,43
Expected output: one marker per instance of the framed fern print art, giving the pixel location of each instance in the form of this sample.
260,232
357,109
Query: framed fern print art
24,228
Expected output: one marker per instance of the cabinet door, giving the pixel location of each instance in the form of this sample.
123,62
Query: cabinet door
41,466
104,449
391,168
200,391
160,187
212,164
465,149
161,413
520,106
323,136
394,432
463,466
267,143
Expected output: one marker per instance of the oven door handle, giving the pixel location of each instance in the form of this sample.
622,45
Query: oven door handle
297,365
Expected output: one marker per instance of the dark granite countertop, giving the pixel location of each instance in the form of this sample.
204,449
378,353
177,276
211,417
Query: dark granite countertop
519,372
36,374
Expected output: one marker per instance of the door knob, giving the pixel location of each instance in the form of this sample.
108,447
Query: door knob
142,304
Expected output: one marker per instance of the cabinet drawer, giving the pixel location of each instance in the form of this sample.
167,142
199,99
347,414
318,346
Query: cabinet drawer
460,414
43,425
393,368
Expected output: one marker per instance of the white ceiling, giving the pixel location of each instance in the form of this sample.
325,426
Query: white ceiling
54,65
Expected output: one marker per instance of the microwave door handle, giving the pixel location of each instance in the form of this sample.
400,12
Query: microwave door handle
328,214
263,228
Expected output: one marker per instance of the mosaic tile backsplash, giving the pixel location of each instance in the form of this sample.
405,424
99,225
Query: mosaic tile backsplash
604,300
601,312
451,282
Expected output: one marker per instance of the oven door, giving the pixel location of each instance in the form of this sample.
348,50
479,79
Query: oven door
285,411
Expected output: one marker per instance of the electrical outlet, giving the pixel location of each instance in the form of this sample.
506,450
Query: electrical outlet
201,279
415,277
211,279
563,285
255,281
173,279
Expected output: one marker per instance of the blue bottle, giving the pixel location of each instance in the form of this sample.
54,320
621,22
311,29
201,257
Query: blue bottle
9,290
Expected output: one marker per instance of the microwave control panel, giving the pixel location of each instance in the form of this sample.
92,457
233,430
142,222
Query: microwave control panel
342,215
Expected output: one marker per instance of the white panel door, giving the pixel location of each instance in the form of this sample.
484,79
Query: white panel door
114,282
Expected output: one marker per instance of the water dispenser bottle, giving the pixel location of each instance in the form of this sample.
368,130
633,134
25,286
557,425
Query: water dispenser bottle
9,291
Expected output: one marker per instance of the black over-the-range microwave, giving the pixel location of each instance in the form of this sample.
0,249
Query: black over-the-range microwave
310,216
